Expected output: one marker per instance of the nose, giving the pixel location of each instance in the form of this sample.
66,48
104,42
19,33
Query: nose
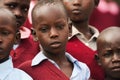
18,13
116,57
53,33
76,2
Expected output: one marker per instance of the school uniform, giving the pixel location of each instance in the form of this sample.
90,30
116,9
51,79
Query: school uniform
42,68
26,49
8,72
84,50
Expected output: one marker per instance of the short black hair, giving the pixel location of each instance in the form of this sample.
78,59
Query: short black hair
45,2
7,12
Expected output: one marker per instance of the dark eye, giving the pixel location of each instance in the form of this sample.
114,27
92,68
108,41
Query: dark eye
60,26
11,6
44,28
5,33
25,8
108,53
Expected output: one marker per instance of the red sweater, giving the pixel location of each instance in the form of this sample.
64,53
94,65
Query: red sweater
26,51
43,71
84,54
104,20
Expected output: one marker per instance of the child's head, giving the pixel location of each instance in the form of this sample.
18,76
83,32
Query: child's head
18,7
108,46
8,32
80,10
50,23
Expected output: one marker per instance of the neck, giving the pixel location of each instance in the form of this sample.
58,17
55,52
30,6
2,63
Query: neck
84,28
57,57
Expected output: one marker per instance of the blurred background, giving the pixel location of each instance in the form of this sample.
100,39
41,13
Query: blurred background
106,14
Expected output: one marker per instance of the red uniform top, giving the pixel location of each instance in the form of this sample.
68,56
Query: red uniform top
105,15
45,71
26,49
84,54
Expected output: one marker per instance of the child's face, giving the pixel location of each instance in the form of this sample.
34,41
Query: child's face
7,35
109,54
52,28
79,10
18,7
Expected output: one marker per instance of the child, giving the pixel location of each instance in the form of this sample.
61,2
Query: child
82,43
50,25
26,48
108,46
8,34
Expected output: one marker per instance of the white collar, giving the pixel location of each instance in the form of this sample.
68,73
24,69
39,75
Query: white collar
5,68
40,57
76,32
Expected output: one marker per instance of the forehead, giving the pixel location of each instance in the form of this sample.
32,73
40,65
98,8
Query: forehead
51,11
17,1
111,36
112,42
7,18
6,21
85,1
6,15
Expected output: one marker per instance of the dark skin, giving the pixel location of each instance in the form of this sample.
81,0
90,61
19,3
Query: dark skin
52,30
8,33
19,9
108,57
79,12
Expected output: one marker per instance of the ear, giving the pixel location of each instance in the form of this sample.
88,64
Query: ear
35,38
97,59
17,38
96,2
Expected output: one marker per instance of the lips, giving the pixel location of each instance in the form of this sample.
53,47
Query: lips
116,68
76,11
55,44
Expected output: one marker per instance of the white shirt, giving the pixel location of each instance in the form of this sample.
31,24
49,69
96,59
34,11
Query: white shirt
7,72
80,70
91,43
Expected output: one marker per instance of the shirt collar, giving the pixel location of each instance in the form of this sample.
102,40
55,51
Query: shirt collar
76,32
40,57
71,58
5,68
24,32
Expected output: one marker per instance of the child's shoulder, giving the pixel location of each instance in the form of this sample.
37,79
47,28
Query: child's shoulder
19,75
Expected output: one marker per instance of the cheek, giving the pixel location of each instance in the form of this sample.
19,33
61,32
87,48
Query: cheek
68,6
64,37
25,14
42,38
9,43
105,63
88,8
25,17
